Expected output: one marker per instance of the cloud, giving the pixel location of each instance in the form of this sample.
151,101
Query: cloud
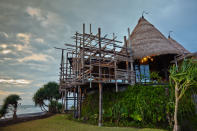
3,34
13,81
35,12
36,57
45,18
3,46
6,93
39,40
5,51
25,38
19,47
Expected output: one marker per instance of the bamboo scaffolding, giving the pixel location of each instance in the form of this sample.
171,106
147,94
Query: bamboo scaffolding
94,60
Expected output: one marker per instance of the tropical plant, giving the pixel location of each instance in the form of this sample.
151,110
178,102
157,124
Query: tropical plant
10,103
182,77
154,76
138,105
49,93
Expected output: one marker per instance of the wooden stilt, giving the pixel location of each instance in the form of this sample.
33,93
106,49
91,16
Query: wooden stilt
100,104
79,102
74,103
66,96
64,100
100,85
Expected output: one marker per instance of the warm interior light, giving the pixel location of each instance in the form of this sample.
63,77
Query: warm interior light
146,59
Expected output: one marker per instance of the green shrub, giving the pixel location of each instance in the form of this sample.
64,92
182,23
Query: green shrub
55,107
139,105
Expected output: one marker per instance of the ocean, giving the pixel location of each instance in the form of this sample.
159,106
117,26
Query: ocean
29,109
23,109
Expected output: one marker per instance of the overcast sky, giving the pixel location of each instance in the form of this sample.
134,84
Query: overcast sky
29,29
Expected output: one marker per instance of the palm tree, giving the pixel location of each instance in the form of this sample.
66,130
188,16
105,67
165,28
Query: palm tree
11,102
183,77
49,92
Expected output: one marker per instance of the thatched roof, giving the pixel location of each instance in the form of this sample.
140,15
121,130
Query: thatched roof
178,46
146,40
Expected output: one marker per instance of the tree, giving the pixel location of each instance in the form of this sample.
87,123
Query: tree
183,77
11,102
48,93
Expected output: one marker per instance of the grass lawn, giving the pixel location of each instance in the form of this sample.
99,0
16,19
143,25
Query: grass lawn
61,123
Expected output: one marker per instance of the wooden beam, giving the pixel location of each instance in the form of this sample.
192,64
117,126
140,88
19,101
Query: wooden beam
66,94
79,102
100,84
100,104
74,103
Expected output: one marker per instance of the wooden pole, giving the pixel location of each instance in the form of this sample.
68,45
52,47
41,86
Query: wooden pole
90,72
79,102
127,63
62,102
100,104
131,59
66,66
83,53
74,95
64,99
66,95
90,29
115,66
100,85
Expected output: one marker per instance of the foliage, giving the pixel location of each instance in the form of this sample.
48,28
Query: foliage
154,76
138,105
55,107
182,77
48,93
10,103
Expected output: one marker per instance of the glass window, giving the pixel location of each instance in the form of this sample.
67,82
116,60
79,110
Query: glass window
142,73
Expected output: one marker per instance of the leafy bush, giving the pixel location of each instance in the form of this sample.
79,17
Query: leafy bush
139,105
55,107
154,76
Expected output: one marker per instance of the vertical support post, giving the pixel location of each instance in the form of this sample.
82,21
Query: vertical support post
90,29
175,61
115,73
83,52
62,66
100,104
131,59
100,84
127,63
74,95
66,100
79,102
90,72
66,66
63,107
115,65
76,58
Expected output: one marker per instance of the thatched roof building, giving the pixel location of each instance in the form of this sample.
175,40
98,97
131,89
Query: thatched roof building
151,50
146,40
178,46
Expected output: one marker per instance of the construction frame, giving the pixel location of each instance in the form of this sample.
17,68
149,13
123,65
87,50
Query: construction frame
94,60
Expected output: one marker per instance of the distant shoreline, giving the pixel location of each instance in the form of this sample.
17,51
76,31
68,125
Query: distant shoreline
24,117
